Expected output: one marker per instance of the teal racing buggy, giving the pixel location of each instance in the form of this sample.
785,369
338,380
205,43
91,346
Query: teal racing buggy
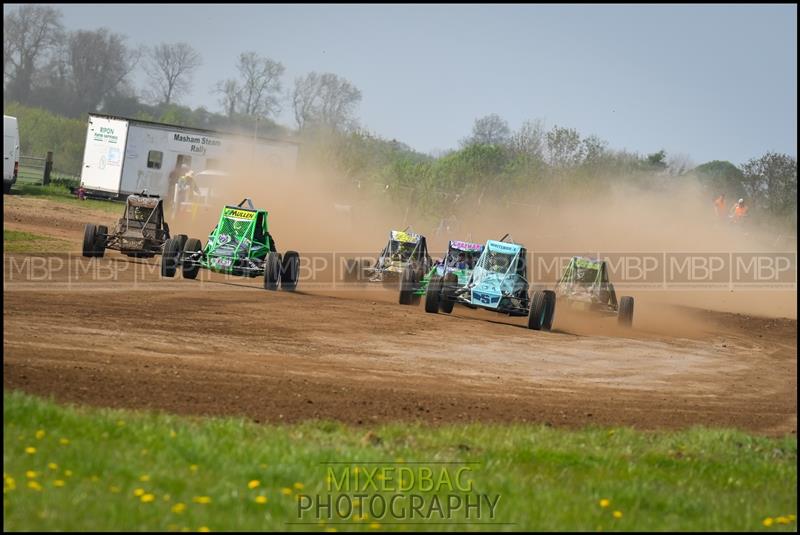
584,286
455,268
498,283
239,245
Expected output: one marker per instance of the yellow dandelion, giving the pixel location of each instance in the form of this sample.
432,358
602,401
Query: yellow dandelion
782,520
138,492
193,467
299,486
114,489
40,434
203,529
617,514
605,502
10,484
52,466
147,498
375,525
31,474
95,478
34,485
59,483
286,491
178,508
330,530
120,423
166,497
253,484
791,518
261,500
201,499
63,441
767,522
144,477
30,450
68,473
173,434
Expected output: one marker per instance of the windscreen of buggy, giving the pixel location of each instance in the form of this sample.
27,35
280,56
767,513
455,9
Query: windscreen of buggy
401,251
458,259
234,231
139,213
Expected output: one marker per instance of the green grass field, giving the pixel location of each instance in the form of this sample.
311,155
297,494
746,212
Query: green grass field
68,468
15,241
60,193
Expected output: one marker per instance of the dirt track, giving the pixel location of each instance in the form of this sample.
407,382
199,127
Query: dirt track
113,333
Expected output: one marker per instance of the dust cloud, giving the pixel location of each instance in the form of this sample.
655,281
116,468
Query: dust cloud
316,211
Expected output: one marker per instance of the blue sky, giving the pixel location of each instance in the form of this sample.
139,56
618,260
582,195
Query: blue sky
710,82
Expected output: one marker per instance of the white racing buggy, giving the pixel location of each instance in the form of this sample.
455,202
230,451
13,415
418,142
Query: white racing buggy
585,286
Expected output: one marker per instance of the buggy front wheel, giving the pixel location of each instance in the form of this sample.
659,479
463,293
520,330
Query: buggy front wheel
543,306
170,257
272,271
625,316
89,240
433,295
449,284
190,269
290,271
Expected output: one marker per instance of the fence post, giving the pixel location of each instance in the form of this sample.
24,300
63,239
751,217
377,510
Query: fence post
48,167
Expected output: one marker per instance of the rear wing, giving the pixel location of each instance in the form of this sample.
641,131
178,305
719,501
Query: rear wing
467,247
404,236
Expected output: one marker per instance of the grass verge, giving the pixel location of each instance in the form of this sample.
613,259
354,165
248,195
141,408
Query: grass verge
68,468
15,241
62,194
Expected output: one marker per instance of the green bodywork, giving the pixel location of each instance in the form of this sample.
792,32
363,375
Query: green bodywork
241,234
462,274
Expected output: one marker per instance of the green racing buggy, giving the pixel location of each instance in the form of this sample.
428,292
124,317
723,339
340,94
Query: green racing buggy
584,285
455,268
240,244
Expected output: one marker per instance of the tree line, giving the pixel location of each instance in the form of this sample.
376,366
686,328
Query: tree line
69,74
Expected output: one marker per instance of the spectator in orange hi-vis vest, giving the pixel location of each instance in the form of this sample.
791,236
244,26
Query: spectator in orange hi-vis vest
739,211
719,205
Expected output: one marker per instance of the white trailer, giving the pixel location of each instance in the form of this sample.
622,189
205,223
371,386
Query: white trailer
125,156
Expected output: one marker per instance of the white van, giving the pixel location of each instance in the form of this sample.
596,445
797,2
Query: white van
10,152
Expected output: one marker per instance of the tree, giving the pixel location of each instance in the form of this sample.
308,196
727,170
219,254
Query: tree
529,140
324,100
770,182
260,84
229,95
488,130
170,68
721,177
99,63
29,33
564,147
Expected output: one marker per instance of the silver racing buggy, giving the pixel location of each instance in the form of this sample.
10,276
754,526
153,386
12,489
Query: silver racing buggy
140,232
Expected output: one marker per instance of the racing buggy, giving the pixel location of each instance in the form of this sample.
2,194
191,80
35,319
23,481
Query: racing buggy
455,268
240,244
585,286
141,232
498,283
404,260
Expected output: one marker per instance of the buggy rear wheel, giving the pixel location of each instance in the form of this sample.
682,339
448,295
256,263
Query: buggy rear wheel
101,239
448,300
290,271
625,316
192,245
407,286
433,295
272,271
89,240
170,258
